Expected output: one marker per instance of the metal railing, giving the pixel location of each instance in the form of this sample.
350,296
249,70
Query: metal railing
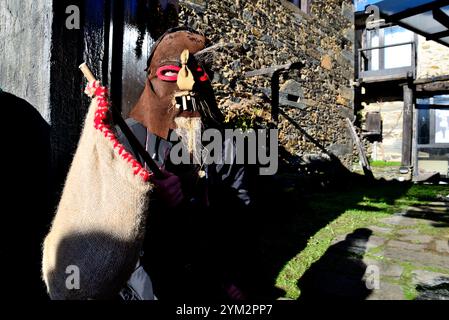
365,63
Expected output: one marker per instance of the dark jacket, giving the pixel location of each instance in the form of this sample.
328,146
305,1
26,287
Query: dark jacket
187,249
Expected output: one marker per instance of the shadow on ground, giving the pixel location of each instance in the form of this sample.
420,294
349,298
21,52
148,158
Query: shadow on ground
438,213
291,207
339,274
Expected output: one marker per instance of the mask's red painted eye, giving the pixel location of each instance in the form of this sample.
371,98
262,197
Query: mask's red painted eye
168,73
203,74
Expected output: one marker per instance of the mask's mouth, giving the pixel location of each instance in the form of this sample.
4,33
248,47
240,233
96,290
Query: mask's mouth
191,104
188,121
187,102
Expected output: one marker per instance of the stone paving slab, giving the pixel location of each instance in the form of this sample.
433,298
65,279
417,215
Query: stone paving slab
387,291
422,258
344,269
431,285
407,231
442,246
386,269
378,229
429,278
392,270
405,245
399,221
420,238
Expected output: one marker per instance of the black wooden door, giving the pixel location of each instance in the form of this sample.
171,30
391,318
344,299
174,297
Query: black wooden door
119,35
114,38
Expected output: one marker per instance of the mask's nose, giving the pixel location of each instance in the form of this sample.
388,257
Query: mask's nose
185,80
185,98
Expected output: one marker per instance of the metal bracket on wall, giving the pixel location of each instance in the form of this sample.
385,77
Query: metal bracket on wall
275,72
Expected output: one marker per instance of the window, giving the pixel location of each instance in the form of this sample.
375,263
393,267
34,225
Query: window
423,126
433,125
441,126
304,5
397,52
433,120
433,134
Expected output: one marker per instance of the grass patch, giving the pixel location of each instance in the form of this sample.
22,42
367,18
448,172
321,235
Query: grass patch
375,252
434,269
408,287
425,192
378,163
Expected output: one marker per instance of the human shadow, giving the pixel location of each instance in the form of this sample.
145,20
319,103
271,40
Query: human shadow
28,197
339,273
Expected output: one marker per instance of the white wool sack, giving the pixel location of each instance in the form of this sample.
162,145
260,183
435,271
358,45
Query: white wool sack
98,228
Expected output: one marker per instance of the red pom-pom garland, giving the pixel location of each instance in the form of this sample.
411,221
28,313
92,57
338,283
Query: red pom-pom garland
102,125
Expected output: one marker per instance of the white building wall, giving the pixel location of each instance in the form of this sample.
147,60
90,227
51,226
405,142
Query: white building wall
433,59
390,147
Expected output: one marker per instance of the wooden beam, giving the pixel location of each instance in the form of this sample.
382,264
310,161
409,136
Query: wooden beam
432,79
415,146
386,74
434,86
362,155
407,127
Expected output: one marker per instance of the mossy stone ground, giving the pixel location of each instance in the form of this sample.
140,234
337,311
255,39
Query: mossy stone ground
378,248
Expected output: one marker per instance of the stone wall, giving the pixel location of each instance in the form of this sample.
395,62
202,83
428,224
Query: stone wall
274,32
25,40
433,59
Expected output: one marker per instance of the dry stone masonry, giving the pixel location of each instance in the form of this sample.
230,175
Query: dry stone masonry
266,33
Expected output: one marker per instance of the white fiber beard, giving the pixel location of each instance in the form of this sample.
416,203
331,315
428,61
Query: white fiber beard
190,130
